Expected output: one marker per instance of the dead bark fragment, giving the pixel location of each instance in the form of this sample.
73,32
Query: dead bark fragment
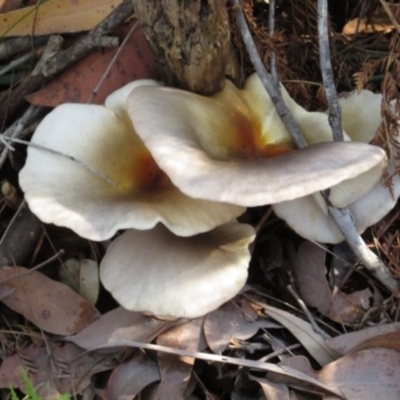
191,40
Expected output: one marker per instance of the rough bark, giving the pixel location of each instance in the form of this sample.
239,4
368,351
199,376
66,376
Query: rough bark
191,40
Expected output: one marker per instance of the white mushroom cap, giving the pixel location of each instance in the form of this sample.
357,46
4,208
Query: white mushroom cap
361,114
368,202
307,218
60,191
166,275
232,146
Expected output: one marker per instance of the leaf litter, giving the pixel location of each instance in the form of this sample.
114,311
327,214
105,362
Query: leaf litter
67,344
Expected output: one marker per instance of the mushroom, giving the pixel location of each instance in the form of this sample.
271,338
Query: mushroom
60,190
157,272
308,216
233,147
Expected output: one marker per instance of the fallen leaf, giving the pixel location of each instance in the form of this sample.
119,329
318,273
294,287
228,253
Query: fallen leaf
304,333
310,274
56,16
347,342
388,341
176,371
117,325
76,85
9,5
272,391
70,369
226,323
131,377
48,304
364,375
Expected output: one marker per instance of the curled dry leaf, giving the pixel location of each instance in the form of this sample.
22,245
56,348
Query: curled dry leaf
83,277
131,377
345,343
226,323
117,325
50,305
77,83
310,274
304,333
176,371
364,375
272,391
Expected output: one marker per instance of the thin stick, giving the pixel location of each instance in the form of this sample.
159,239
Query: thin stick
68,157
335,114
15,130
271,30
296,375
108,69
343,217
267,80
369,259
307,313
31,270
15,216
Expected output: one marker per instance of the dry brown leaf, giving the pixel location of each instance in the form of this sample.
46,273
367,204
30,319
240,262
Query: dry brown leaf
48,304
131,377
77,83
304,333
346,343
9,5
56,16
5,291
120,324
272,391
70,369
364,375
226,323
387,341
176,371
310,273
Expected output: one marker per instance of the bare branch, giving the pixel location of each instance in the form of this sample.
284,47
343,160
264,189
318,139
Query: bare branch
267,79
335,115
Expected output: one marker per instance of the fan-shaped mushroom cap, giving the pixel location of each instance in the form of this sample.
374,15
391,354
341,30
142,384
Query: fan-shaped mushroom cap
157,272
308,216
308,219
233,147
61,191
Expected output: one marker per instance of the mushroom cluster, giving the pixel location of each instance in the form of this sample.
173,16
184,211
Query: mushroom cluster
175,170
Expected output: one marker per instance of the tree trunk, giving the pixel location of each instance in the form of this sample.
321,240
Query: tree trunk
191,40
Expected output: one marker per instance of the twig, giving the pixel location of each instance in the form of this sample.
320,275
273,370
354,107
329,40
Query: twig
335,115
108,69
369,259
342,217
271,29
267,80
10,103
299,377
15,216
10,47
15,130
310,318
35,268
389,13
16,62
67,156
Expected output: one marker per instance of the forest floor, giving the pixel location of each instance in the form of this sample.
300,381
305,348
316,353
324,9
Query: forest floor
311,322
